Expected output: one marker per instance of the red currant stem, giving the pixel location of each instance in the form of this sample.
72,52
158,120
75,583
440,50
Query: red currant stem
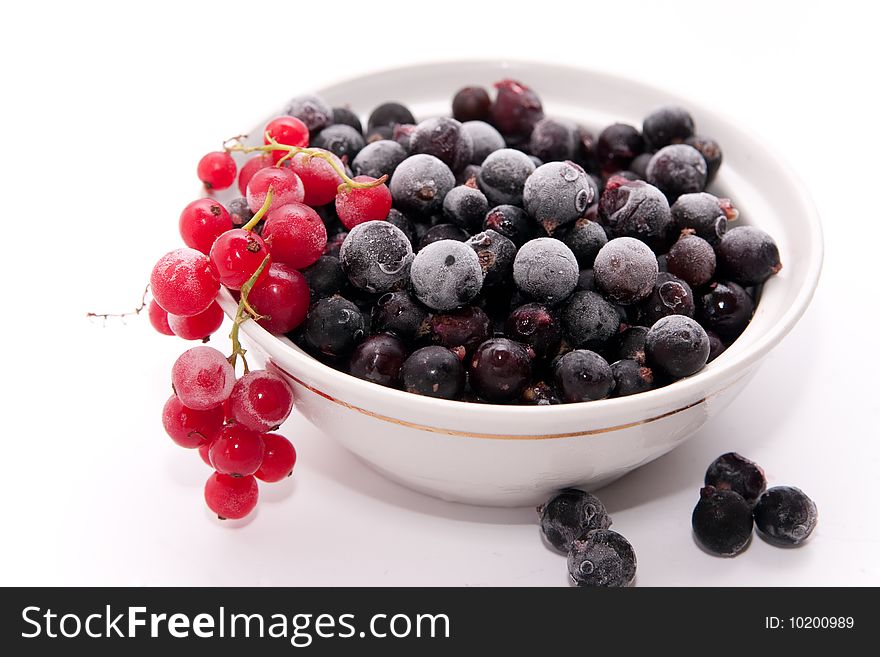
348,183
137,311
259,214
243,313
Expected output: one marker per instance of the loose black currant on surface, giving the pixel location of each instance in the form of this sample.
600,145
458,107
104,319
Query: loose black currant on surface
601,557
734,472
722,522
785,516
570,514
434,372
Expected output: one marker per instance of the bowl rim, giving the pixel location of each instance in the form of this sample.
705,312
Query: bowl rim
690,387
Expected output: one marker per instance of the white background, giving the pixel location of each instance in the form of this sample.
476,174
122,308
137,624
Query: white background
105,112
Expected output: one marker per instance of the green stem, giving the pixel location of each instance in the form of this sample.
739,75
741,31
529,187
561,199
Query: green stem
243,313
261,212
329,158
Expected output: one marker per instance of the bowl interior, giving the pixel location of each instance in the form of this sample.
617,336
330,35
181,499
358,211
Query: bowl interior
760,184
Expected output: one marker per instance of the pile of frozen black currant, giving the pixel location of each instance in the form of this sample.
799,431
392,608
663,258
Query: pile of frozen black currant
497,255
734,500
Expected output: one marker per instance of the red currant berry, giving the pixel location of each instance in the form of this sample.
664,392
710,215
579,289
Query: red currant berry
159,318
286,187
201,222
202,378
182,282
250,168
229,497
197,327
279,458
287,130
217,170
236,451
282,297
236,256
318,177
188,427
296,233
357,205
204,448
261,400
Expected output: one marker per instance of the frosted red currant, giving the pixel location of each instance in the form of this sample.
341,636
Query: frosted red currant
231,497
182,282
159,318
249,168
296,233
260,400
279,458
217,170
236,451
202,378
188,427
286,188
357,205
203,221
287,130
236,256
204,449
319,178
282,297
197,327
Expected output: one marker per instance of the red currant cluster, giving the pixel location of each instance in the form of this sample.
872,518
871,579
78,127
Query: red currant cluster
255,253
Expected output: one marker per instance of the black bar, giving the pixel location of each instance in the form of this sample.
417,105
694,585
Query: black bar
516,621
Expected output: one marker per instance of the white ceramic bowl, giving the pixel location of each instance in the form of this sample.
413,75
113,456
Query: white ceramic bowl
517,455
